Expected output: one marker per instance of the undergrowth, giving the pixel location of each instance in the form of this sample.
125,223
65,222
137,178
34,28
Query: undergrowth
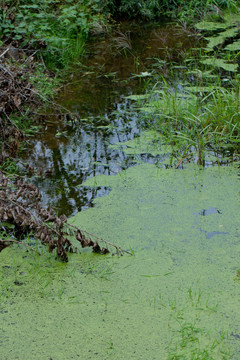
180,9
197,118
57,28
39,43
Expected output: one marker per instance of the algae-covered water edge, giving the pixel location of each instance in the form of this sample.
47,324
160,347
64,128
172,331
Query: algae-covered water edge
177,297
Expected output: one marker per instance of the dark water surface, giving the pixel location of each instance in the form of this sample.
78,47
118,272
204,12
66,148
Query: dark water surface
67,153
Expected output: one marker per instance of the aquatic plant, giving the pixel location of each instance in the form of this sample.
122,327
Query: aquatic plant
123,40
224,37
202,114
197,118
220,63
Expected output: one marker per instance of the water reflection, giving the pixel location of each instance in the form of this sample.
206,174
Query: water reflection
66,154
64,162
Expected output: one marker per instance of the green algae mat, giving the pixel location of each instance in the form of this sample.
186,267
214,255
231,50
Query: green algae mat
177,297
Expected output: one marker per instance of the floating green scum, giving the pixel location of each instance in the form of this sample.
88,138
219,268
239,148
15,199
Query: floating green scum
178,297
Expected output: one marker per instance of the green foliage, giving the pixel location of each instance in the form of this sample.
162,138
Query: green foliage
222,32
223,36
146,9
10,167
196,118
150,9
234,46
57,27
203,114
220,63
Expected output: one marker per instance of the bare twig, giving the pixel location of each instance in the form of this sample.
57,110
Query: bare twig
180,161
11,122
118,248
20,242
44,65
20,49
7,71
4,52
51,114
30,56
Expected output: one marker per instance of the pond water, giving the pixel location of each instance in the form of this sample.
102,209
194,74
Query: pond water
178,296
65,154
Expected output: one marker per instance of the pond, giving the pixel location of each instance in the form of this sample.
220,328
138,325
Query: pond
65,154
177,297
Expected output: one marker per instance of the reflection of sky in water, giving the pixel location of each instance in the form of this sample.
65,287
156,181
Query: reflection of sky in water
209,211
80,151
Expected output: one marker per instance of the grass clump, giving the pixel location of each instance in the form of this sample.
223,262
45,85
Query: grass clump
206,118
197,111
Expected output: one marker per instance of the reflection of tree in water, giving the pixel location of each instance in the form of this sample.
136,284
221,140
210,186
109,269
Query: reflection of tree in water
98,96
62,185
84,154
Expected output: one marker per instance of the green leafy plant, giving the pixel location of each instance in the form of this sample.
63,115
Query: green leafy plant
152,9
57,28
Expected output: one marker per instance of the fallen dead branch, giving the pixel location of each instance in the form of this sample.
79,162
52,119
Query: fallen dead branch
20,205
4,52
119,250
